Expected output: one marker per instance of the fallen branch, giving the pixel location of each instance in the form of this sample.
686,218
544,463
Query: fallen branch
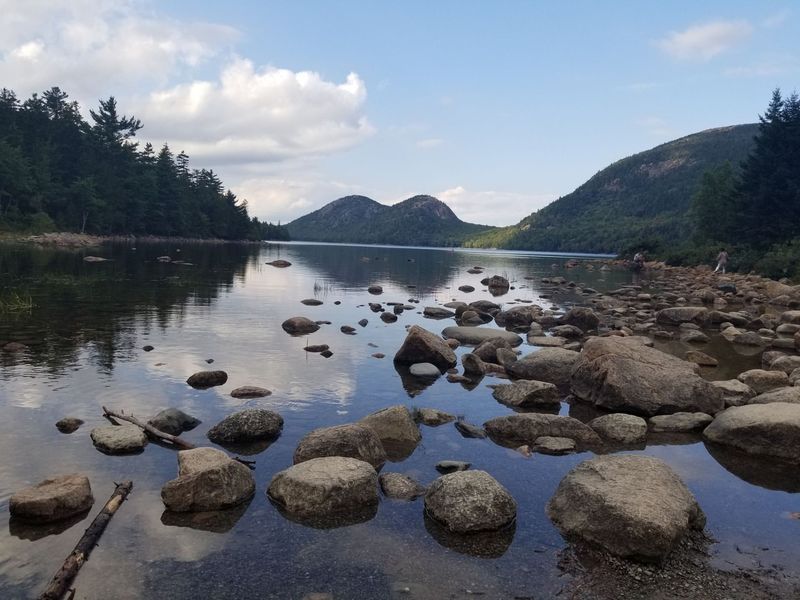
172,439
57,588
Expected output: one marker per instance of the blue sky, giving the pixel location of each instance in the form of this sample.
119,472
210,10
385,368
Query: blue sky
495,107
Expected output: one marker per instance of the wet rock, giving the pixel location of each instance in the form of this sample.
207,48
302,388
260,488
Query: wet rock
432,417
400,487
583,318
623,374
769,430
682,314
311,302
487,351
451,466
527,394
281,264
53,499
620,428
695,337
316,348
470,501
466,289
395,427
350,440
388,317
631,506
376,307
299,326
421,345
206,379
474,336
378,355
326,354
567,331
734,392
553,446
506,357
552,365
68,424
324,486
173,421
679,422
375,290
513,431
468,430
245,426
750,338
207,480
347,330
436,312
473,365
250,391
761,381
119,439
148,348
496,282
363,322
701,358
784,394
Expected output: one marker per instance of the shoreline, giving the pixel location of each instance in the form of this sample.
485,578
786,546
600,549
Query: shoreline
69,240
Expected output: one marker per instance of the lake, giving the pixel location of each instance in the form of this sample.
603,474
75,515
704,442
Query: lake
85,331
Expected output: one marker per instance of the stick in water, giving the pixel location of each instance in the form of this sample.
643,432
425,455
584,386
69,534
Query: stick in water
172,439
57,587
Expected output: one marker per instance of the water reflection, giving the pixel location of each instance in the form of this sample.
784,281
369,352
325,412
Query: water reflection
765,472
26,530
216,521
483,544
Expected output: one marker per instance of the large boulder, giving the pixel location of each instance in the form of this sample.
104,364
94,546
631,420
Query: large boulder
355,441
173,421
631,506
474,336
769,430
299,326
528,394
119,439
676,315
552,365
396,429
208,479
470,501
246,426
761,381
422,346
785,394
516,430
321,487
583,318
53,499
623,374
620,428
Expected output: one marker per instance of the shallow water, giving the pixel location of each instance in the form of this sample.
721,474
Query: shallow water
85,334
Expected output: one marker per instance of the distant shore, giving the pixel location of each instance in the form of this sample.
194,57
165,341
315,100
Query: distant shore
65,239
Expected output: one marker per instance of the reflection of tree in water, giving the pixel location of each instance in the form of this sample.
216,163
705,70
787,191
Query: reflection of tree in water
98,306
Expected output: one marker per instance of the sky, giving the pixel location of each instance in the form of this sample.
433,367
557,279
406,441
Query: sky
495,107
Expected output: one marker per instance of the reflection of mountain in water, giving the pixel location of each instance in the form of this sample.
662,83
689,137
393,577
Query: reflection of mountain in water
96,305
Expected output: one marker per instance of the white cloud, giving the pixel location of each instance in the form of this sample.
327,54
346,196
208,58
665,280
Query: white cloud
255,115
430,143
704,42
492,207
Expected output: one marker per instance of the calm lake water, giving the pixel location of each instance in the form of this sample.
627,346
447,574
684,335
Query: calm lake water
85,333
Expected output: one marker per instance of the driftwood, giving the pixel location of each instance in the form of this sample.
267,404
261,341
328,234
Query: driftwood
57,588
172,439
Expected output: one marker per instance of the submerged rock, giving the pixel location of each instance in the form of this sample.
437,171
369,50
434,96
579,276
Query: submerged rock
631,506
119,439
173,421
400,487
421,345
470,501
350,440
68,424
207,480
299,326
468,430
206,379
246,426
53,499
250,391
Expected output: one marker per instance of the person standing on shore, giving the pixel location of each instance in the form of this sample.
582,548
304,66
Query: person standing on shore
722,261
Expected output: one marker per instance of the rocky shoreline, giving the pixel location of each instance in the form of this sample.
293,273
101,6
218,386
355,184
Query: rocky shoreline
68,240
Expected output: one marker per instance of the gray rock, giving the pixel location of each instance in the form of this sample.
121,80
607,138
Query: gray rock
311,302
584,319
473,336
425,370
554,446
466,289
528,394
470,501
787,364
513,431
119,439
785,394
351,440
207,379
246,426
551,365
388,317
769,430
682,314
473,365
487,351
207,480
620,428
394,426
547,341
761,381
623,374
437,312
250,391
506,357
321,487
69,424
734,392
680,422
53,499
631,506
299,326
421,345
173,421
432,417
400,487
695,337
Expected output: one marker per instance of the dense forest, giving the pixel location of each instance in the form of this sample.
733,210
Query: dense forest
754,209
60,172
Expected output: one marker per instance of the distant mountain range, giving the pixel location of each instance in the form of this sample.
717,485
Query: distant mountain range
646,196
418,221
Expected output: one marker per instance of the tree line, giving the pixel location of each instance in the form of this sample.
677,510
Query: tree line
60,172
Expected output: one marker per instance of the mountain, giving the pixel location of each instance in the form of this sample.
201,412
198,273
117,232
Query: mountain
643,198
418,221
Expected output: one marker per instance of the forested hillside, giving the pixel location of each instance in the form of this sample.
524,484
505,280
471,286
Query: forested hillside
643,199
58,171
417,221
